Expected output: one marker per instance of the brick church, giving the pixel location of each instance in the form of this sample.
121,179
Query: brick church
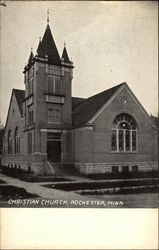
48,131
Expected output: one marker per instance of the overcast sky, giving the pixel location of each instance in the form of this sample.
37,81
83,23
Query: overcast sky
109,42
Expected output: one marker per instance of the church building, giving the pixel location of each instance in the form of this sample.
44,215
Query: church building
50,132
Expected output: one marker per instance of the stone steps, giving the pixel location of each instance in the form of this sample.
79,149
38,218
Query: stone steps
64,169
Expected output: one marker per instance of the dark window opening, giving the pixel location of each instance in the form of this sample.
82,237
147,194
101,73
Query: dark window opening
124,134
127,141
57,85
121,140
54,85
17,141
54,115
114,142
134,140
115,169
10,142
30,117
135,168
30,148
125,169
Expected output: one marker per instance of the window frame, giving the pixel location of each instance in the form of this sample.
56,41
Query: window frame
17,141
52,115
10,143
30,142
118,129
30,116
51,87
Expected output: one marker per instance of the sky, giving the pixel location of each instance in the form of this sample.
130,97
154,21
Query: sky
110,42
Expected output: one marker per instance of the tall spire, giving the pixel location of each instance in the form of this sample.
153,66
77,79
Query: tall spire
39,46
47,47
31,56
48,17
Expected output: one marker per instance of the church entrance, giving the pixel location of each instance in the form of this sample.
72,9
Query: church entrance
54,146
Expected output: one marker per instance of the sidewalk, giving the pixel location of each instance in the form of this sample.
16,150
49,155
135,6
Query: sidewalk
70,199
42,192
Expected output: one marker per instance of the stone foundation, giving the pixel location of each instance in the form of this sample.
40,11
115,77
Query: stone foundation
98,168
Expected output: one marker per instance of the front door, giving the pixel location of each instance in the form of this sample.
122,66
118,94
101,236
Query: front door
54,151
54,147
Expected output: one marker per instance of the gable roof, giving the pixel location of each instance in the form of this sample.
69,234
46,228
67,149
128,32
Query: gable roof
76,101
155,120
19,95
48,47
84,111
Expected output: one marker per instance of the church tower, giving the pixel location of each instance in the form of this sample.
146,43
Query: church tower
48,101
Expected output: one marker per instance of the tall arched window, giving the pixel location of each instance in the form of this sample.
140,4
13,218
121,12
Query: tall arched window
124,134
17,141
9,142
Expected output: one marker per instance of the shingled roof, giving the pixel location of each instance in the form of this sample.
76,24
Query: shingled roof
48,47
82,109
85,110
76,101
19,95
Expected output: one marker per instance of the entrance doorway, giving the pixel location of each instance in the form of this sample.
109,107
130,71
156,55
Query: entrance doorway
54,147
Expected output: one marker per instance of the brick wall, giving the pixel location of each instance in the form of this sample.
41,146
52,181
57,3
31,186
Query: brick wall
14,120
95,146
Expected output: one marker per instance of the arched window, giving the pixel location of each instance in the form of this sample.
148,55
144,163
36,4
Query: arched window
9,142
124,134
17,141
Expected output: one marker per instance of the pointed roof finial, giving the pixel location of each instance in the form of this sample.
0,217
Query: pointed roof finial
31,56
65,55
48,16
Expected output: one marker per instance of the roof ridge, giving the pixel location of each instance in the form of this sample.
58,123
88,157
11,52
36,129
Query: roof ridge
79,97
88,107
106,90
19,89
99,93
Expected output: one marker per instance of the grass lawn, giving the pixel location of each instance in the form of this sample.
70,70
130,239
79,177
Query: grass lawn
11,192
30,177
2,182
